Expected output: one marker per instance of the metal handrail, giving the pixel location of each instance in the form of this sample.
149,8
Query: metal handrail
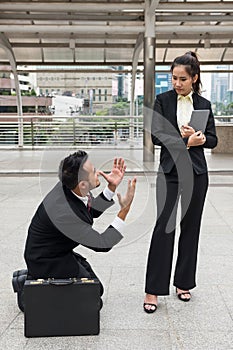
104,131
72,130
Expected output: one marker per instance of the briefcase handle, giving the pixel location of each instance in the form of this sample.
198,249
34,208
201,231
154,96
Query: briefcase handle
61,282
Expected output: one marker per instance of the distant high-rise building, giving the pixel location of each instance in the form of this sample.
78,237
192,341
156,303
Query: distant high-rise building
230,86
162,82
219,85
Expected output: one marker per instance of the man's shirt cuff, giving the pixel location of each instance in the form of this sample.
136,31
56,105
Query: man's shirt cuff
108,194
118,224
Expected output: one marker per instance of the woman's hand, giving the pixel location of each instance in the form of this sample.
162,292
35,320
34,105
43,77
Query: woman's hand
196,139
186,131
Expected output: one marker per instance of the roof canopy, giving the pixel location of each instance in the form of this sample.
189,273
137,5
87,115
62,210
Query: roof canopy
70,32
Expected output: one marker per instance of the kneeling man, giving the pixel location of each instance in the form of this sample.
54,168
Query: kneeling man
64,219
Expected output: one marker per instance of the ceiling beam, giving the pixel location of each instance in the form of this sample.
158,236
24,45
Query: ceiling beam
120,37
162,29
200,6
61,35
190,17
101,63
22,28
42,6
77,45
193,36
117,45
172,17
114,29
124,16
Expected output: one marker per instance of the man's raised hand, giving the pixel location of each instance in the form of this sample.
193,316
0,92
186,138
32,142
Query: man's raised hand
126,200
116,175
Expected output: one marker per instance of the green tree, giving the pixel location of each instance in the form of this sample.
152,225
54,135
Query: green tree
229,109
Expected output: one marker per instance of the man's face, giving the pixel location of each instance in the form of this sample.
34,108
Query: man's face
93,180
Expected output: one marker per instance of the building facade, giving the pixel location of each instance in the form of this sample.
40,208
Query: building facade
96,89
27,83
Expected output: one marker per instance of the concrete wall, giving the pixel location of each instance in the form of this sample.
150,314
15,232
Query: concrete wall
27,101
225,138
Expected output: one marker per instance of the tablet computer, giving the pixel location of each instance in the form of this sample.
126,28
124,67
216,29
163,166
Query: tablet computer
199,118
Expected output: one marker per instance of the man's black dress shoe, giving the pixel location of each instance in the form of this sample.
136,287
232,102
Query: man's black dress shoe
18,280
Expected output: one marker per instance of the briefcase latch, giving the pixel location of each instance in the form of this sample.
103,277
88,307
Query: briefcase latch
87,280
38,281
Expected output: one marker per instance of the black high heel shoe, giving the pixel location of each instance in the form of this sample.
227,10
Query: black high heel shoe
179,295
150,311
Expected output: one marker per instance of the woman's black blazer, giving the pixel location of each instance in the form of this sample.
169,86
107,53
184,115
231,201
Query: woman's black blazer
165,132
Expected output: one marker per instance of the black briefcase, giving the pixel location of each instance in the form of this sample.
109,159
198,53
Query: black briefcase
62,307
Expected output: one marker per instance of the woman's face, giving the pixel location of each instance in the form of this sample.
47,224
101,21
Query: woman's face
182,81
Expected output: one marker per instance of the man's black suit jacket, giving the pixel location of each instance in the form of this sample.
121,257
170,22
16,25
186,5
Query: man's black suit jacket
61,223
165,133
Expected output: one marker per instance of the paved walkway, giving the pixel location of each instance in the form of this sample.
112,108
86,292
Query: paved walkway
206,322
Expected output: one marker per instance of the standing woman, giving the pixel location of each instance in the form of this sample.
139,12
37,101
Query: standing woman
183,175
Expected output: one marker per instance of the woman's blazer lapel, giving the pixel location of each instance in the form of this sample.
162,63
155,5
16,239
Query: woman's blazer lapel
172,109
196,101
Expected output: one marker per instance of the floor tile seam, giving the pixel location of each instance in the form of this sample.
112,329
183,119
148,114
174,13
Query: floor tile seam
9,324
225,303
106,293
220,215
173,333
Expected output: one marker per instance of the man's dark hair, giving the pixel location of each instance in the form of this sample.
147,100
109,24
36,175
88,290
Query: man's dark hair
71,170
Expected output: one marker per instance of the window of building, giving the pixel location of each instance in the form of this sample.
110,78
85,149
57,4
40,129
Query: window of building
105,95
99,94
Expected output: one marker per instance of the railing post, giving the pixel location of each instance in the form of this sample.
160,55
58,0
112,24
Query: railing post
115,133
74,132
131,131
32,132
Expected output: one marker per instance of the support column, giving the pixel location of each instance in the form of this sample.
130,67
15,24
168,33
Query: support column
149,78
4,43
137,50
149,93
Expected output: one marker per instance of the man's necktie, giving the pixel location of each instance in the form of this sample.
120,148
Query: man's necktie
89,202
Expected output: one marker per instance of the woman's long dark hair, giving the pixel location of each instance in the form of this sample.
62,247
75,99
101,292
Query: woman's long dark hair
192,67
